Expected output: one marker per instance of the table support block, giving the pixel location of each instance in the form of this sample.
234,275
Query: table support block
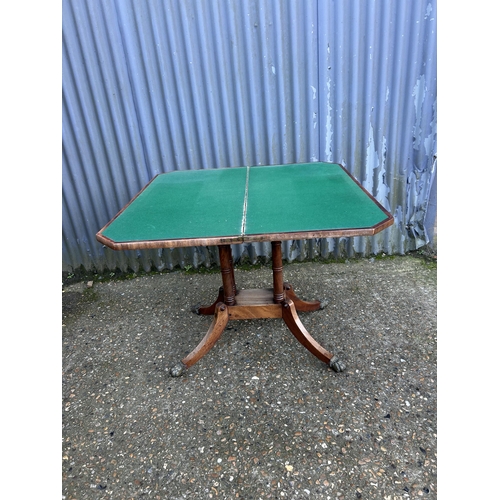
254,304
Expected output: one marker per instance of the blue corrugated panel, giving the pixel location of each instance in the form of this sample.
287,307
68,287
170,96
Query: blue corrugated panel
155,86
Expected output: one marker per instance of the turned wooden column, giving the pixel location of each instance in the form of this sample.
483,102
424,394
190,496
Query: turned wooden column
278,295
232,270
227,274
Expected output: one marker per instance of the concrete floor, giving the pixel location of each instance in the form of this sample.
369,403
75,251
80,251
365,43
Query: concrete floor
259,416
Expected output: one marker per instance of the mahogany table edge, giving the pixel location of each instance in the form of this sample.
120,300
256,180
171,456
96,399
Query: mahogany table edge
238,239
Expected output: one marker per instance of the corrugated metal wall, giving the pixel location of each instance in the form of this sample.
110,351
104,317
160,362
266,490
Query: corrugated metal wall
160,85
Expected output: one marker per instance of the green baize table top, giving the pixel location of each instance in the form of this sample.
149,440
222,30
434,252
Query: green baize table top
239,204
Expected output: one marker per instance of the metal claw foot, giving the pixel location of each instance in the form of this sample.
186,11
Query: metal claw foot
323,304
178,370
337,365
196,308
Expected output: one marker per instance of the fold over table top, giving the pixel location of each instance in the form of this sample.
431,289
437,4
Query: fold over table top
245,204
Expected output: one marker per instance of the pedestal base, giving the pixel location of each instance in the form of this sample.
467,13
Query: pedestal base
277,302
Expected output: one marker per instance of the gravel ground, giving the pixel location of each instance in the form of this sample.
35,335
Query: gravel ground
259,416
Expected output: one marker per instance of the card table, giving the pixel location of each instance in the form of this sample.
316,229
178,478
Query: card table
236,205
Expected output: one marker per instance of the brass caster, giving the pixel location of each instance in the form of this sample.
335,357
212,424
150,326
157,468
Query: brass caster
178,370
337,365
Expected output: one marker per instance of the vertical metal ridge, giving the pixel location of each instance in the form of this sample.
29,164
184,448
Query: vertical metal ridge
164,85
